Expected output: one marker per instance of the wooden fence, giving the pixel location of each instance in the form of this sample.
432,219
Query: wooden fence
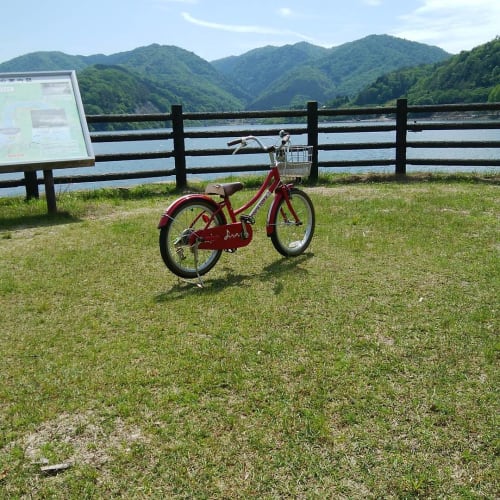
313,121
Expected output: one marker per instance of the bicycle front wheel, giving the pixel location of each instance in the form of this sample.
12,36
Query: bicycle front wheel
184,260
292,236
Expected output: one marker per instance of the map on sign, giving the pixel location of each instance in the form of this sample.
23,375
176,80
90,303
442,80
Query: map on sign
42,122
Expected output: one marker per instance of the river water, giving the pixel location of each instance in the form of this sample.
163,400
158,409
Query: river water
226,161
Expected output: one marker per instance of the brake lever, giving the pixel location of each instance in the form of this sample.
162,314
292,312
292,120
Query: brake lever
241,145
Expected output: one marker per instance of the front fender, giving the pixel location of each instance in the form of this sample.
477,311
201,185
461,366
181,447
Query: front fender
175,204
271,214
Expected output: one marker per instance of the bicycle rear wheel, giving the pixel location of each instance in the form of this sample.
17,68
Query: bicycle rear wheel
291,237
184,260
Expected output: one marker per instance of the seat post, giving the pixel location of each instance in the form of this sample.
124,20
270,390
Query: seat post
229,207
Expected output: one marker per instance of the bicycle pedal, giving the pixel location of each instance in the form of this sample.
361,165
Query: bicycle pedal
248,219
230,250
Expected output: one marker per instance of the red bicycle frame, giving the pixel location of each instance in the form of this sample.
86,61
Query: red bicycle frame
235,233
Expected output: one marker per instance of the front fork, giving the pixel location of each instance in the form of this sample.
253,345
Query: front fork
284,191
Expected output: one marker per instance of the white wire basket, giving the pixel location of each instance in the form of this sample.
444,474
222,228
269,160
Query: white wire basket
296,162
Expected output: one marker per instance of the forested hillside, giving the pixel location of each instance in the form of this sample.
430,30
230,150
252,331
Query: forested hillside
183,74
471,76
466,77
372,71
152,78
116,90
258,69
49,61
280,77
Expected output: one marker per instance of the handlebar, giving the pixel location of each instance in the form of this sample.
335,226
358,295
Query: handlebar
243,141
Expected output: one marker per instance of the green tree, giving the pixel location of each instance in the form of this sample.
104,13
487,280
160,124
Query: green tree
494,95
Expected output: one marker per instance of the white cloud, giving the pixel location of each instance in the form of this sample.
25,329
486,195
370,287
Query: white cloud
452,24
285,12
234,28
239,28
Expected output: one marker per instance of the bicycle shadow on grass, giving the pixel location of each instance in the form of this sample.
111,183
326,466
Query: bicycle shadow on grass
280,267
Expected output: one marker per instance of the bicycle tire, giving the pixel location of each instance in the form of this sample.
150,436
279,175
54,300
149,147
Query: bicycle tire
291,239
182,259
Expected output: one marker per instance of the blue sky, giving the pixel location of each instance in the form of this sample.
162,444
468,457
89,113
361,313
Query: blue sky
213,29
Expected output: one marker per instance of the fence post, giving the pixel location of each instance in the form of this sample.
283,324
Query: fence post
312,137
401,131
179,146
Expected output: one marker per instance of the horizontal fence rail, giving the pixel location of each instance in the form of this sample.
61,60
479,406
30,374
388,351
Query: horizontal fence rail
403,121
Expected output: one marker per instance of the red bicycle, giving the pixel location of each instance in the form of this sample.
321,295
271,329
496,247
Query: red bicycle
195,229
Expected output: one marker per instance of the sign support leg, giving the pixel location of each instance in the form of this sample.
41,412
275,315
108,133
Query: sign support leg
50,192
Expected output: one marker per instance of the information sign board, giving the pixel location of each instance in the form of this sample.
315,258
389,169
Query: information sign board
42,122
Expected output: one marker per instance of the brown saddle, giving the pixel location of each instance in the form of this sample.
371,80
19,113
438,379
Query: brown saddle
225,189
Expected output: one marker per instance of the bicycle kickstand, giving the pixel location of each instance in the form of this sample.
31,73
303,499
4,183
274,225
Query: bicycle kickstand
199,283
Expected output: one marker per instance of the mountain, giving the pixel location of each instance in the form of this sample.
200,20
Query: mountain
467,77
293,89
471,76
353,64
184,74
117,90
280,76
165,74
258,69
151,79
49,61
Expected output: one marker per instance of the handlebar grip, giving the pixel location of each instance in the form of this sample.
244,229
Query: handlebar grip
234,142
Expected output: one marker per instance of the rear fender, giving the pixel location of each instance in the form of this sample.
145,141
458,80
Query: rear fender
174,205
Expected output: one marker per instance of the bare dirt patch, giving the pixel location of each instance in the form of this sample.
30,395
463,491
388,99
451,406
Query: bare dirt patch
78,439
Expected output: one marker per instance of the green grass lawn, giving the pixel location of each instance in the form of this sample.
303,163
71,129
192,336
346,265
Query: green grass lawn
366,368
